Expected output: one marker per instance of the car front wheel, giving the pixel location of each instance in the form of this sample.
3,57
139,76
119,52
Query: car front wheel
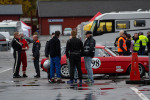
64,71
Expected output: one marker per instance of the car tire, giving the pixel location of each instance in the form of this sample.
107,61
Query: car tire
64,71
141,69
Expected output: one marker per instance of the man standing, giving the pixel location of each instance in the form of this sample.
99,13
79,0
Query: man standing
74,51
89,51
23,54
36,54
122,48
137,43
55,56
144,41
17,46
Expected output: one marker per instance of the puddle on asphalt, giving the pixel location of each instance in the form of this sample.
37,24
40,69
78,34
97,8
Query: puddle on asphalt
25,85
106,88
145,89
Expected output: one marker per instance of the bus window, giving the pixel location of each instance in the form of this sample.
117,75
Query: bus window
123,24
109,26
101,27
139,23
105,27
93,26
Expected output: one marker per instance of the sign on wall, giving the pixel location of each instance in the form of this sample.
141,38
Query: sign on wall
55,20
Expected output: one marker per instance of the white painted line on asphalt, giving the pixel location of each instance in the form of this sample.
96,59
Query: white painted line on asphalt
5,70
141,95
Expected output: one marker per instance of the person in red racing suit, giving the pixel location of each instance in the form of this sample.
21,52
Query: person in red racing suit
23,54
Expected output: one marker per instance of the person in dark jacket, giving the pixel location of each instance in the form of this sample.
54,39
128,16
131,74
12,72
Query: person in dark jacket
36,54
128,44
148,44
46,54
89,52
54,50
17,47
74,51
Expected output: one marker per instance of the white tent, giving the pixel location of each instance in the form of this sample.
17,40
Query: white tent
26,29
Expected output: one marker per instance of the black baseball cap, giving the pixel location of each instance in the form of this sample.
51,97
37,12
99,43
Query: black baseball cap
88,32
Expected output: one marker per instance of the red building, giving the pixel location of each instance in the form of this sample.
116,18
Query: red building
10,12
57,15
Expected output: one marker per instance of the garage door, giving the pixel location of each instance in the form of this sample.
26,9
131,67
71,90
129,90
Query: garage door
53,28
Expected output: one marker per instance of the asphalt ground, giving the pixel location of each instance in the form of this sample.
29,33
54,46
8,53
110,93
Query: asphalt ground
104,88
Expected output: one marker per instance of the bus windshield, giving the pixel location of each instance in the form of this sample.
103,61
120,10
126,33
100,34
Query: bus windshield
93,25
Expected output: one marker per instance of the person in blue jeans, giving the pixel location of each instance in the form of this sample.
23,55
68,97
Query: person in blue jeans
54,50
89,51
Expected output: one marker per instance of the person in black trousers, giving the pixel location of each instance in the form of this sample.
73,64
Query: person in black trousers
17,46
74,51
36,54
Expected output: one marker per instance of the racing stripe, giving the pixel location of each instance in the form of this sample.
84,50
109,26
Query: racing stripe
16,62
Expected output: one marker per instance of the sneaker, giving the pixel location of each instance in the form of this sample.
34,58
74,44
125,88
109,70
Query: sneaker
53,80
70,82
24,75
87,81
49,80
75,80
17,76
37,76
80,81
60,81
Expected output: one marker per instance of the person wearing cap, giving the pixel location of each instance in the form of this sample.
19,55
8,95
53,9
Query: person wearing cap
148,43
128,44
74,51
23,54
89,52
144,40
122,48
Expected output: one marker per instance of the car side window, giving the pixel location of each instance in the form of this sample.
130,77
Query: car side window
101,53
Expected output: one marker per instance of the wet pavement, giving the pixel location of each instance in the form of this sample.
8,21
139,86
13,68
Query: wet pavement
104,88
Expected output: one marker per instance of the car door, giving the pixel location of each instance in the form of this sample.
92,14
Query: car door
106,62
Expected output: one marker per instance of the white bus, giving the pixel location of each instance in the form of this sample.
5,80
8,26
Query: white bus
108,25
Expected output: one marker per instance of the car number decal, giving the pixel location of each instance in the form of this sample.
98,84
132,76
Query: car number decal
96,63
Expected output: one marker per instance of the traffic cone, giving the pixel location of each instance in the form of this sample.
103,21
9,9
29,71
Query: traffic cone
135,73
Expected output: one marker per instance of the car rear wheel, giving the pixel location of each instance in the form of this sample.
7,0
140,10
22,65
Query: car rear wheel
64,71
141,69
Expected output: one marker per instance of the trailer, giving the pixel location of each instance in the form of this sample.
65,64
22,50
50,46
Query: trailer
108,25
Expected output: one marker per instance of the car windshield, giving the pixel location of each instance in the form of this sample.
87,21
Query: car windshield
111,52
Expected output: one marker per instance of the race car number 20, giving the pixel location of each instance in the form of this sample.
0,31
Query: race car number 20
96,63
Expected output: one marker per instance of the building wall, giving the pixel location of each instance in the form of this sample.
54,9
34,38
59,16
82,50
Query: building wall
71,22
9,17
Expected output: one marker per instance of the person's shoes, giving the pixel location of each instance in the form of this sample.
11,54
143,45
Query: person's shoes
24,75
75,80
52,80
70,82
16,76
37,76
49,80
80,81
87,81
60,81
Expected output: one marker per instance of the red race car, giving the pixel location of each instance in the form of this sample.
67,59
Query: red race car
105,62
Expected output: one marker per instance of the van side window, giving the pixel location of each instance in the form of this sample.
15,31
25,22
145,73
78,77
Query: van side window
139,23
105,27
123,24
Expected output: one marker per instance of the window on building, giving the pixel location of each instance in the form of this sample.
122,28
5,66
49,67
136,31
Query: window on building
123,24
139,23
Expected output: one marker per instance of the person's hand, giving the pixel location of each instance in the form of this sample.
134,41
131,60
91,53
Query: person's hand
33,58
